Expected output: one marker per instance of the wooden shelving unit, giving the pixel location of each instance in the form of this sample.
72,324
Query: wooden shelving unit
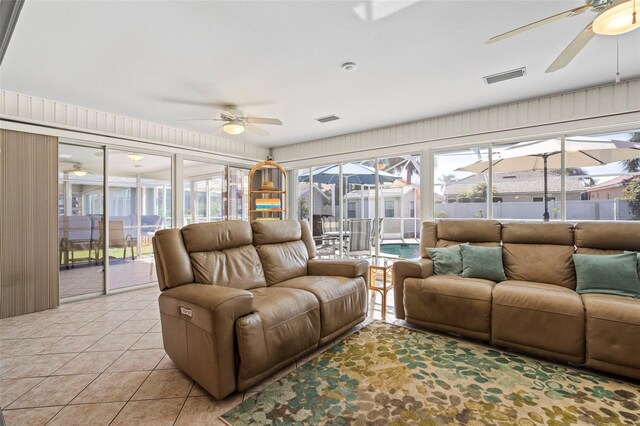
262,172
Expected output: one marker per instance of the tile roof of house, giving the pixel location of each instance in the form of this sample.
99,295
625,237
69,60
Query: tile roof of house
612,183
516,183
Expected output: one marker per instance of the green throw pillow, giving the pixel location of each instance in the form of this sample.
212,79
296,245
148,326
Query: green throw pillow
638,253
446,261
608,274
483,262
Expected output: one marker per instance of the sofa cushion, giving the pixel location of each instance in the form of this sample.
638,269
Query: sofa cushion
613,333
538,233
446,260
615,274
276,231
215,236
469,230
342,300
450,303
544,319
638,260
482,262
542,263
539,252
285,323
238,267
283,261
620,235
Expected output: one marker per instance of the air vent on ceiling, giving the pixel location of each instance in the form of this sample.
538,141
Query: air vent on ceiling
507,75
328,118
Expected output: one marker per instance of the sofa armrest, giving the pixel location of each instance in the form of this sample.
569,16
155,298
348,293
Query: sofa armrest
350,268
417,268
198,326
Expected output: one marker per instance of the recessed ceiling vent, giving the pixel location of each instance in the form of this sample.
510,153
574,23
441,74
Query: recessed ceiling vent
507,75
328,118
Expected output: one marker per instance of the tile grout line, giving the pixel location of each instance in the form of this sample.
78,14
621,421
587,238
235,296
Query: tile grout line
134,392
185,401
43,378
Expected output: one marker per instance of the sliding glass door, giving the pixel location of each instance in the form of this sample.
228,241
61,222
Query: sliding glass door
80,210
140,203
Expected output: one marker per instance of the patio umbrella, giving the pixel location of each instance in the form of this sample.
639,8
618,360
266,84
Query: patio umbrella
352,173
545,154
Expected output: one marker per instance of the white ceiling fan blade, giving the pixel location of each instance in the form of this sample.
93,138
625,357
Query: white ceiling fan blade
539,23
201,119
572,49
262,120
257,130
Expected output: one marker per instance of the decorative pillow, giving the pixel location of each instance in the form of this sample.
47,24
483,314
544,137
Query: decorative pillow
482,262
608,274
446,261
638,253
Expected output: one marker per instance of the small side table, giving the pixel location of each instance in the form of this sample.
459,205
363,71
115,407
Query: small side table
381,267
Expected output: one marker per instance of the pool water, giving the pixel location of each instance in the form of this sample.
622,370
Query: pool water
405,251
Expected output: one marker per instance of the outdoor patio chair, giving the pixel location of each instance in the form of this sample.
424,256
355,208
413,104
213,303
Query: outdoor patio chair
359,243
74,233
117,239
329,224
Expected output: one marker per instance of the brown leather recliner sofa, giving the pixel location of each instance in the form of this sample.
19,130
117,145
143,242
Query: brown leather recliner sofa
536,310
240,301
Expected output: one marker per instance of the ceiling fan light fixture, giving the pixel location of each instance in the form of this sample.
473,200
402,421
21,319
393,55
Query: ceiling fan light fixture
79,172
619,19
135,157
233,128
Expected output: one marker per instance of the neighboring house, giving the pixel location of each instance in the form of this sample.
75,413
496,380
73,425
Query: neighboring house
321,200
517,186
395,202
611,189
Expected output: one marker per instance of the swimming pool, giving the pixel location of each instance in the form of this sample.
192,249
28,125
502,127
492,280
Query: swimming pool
405,251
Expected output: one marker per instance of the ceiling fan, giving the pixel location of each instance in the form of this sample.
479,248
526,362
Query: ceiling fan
77,169
614,17
235,122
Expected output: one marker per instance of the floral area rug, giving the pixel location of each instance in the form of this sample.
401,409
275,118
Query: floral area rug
390,375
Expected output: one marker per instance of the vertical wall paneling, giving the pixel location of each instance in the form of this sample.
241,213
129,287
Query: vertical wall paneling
584,105
28,223
35,110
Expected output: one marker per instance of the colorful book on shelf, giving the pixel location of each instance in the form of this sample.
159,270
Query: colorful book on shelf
268,203
268,218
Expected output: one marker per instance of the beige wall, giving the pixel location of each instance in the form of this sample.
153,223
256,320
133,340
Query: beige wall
28,223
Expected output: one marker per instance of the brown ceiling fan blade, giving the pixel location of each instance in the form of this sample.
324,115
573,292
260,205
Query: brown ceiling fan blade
262,120
572,49
257,130
539,23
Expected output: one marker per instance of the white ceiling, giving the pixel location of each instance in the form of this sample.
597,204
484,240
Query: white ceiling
282,59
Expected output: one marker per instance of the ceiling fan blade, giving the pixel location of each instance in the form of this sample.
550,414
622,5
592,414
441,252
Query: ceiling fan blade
572,49
539,23
262,120
257,130
201,119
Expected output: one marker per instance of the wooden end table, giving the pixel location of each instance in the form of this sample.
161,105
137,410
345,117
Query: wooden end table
381,267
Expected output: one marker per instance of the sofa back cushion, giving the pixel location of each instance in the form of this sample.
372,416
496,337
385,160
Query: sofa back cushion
447,233
539,252
221,254
607,237
173,265
282,251
237,267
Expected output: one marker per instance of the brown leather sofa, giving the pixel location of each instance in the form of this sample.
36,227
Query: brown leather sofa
536,310
240,301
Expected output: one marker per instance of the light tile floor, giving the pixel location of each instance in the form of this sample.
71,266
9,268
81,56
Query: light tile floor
101,361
